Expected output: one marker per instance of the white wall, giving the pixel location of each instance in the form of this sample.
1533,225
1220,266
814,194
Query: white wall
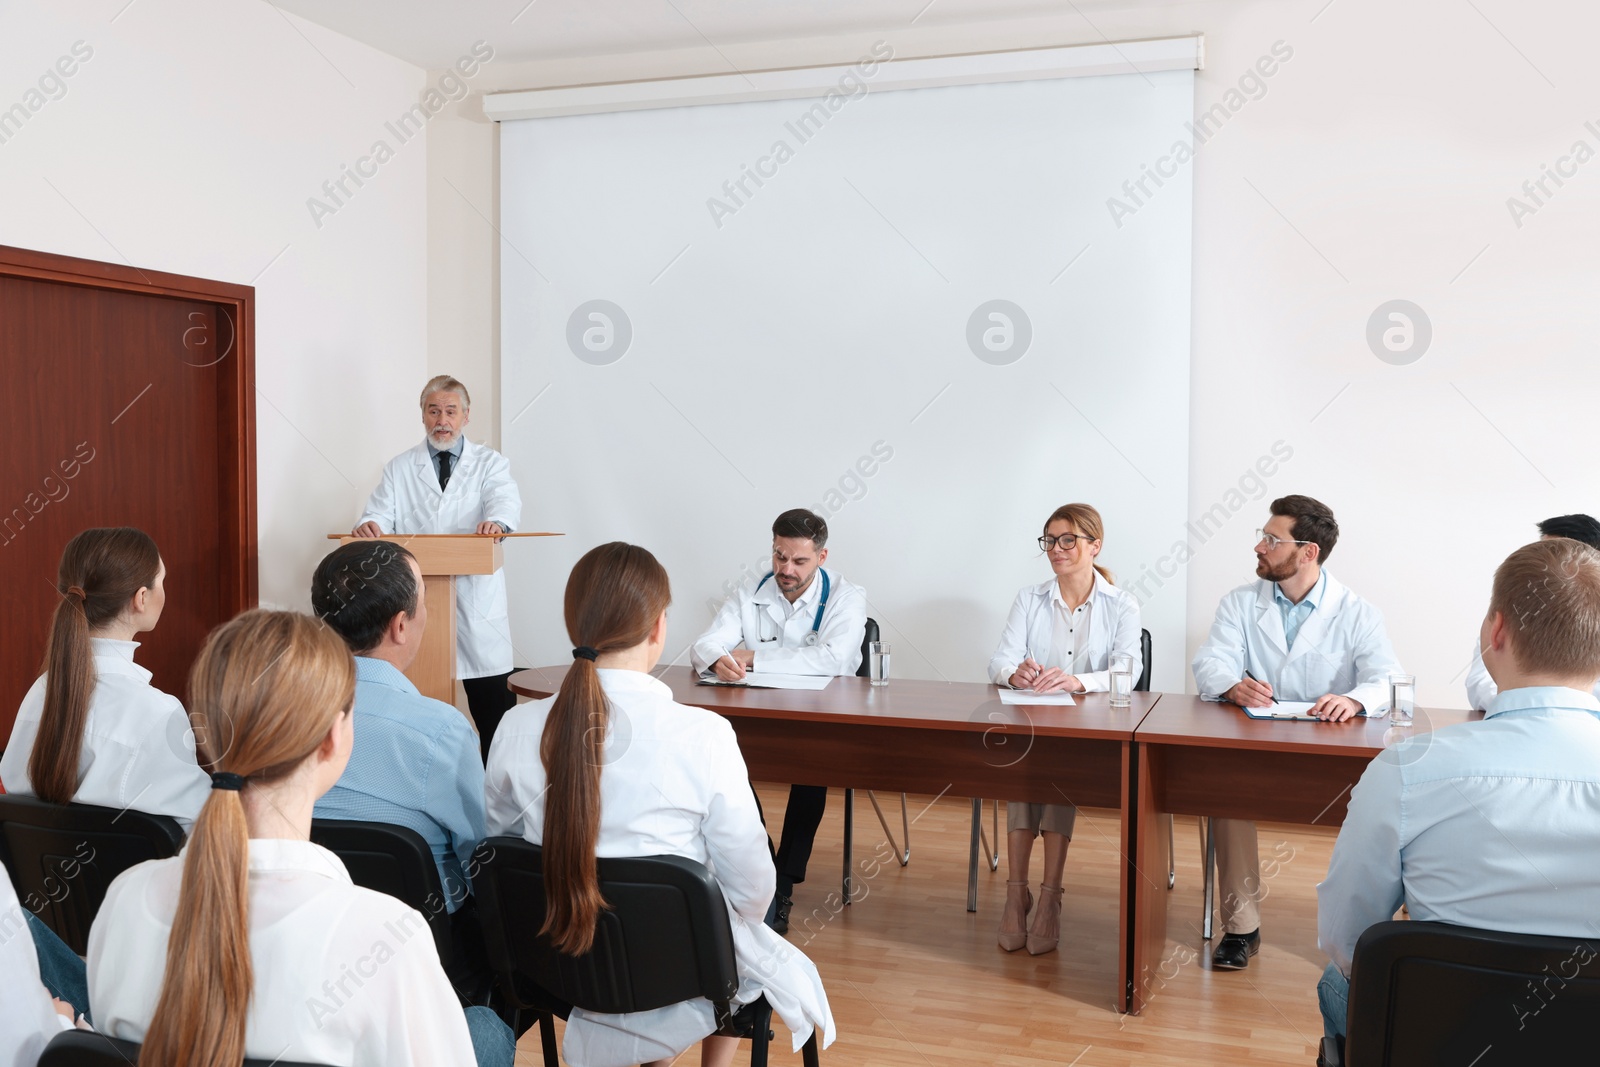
1375,166
190,142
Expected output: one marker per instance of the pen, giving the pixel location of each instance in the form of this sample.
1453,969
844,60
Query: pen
1252,678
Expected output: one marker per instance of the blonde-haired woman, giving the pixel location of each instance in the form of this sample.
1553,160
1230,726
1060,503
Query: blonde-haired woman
612,766
253,941
1059,637
92,729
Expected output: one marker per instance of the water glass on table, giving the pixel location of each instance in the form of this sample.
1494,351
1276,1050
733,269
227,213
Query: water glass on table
1402,699
1122,680
878,662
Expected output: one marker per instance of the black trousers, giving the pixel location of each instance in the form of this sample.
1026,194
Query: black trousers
488,698
800,822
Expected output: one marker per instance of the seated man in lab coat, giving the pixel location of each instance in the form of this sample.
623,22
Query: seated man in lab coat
1497,826
1295,634
449,485
797,619
1481,689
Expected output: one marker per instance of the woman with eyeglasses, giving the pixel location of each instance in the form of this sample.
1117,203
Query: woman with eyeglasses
1060,637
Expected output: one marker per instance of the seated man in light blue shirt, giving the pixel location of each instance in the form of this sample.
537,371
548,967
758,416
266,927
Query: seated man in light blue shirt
416,761
1492,824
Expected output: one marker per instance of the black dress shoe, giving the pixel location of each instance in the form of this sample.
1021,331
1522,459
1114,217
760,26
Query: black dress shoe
1234,953
778,913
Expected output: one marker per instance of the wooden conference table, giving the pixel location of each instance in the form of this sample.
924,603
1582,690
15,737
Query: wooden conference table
1168,754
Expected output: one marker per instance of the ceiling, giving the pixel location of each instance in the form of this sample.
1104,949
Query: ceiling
433,33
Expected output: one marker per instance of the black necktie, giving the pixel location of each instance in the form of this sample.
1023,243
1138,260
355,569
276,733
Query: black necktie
444,470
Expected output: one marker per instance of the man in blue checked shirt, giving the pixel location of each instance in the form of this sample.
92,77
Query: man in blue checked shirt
1492,824
416,761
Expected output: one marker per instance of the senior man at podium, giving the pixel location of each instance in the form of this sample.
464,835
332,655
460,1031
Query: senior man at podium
449,485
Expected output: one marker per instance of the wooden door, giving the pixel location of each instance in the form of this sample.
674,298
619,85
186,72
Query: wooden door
131,405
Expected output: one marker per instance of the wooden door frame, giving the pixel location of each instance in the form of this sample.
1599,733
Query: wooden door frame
237,576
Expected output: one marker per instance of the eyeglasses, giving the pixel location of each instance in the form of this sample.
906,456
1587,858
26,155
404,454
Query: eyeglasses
1066,541
1274,542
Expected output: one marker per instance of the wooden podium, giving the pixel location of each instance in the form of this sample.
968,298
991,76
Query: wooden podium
442,557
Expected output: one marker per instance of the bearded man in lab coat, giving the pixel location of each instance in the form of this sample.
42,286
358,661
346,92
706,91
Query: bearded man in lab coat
449,485
1296,634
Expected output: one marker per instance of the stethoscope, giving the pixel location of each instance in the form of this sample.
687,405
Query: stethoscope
812,637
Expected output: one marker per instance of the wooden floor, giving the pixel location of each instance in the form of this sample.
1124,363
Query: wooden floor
915,979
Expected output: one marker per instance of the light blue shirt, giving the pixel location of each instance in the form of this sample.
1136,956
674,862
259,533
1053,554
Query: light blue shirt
416,763
1492,824
1296,614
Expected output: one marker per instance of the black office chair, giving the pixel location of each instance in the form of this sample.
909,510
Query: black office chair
1428,992
395,860
665,939
992,853
84,1048
63,857
901,854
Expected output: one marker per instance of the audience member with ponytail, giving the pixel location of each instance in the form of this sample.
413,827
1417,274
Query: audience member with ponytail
92,729
253,941
612,766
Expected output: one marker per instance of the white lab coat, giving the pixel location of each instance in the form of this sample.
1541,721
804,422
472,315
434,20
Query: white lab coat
673,782
342,974
765,622
1341,648
138,748
28,1018
1481,689
1113,627
408,500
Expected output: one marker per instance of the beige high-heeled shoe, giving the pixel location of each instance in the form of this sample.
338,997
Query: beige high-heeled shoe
1011,940
1049,902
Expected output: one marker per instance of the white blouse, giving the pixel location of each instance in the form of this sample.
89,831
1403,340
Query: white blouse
343,975
28,1018
138,748
673,783
1080,642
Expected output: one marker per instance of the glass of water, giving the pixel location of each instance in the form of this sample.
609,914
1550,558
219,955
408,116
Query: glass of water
878,662
1121,680
1402,699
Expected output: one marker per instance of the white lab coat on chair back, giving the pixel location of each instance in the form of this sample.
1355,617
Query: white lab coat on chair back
408,500
1342,647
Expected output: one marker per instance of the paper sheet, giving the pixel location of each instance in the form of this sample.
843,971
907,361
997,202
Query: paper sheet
1016,697
1284,709
764,680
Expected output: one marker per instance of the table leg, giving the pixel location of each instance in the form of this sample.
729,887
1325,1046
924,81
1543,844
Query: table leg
849,838
972,857
1146,874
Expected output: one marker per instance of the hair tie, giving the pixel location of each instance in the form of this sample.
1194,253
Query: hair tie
77,591
227,780
585,652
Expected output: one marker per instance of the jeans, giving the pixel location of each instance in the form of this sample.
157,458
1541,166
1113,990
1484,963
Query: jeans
492,1043
1333,995
60,968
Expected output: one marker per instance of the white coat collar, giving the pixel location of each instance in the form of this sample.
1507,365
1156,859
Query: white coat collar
116,657
1051,590
284,854
624,681
428,471
1270,620
769,593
